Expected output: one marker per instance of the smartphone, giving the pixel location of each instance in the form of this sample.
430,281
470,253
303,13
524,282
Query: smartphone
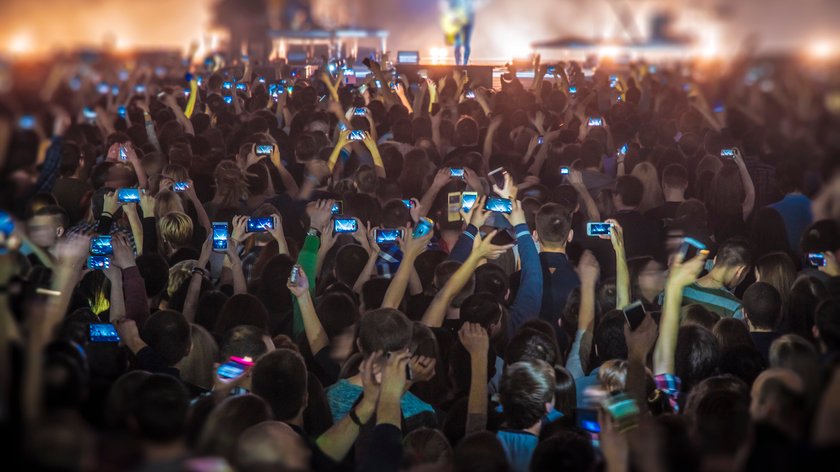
294,275
103,333
469,94
362,89
273,89
613,81
596,122
409,374
623,410
337,208
101,245
719,108
186,92
816,259
98,262
572,90
264,149
587,420
468,199
227,85
690,247
7,224
408,203
26,122
180,186
241,86
551,70
622,150
88,113
140,88
378,84
424,227
121,111
598,229
260,225
123,156
233,368
385,236
453,207
357,135
103,88
503,238
634,314
128,195
359,111
565,170
498,205
730,153
199,81
228,99
540,140
456,172
498,176
345,225
220,236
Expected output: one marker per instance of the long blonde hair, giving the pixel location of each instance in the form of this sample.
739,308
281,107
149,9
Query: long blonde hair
197,367
652,196
167,201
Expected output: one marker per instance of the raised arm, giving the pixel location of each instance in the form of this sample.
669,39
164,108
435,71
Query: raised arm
134,287
200,212
370,143
588,271
681,274
441,179
576,181
316,336
622,274
197,276
483,248
476,341
411,248
746,181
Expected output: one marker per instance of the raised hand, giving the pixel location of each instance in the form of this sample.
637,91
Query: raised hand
588,269
300,288
517,214
509,190
485,249
110,203
684,273
319,213
411,246
474,338
422,368
123,254
240,227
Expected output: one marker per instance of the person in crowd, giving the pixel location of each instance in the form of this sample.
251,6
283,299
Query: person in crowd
411,305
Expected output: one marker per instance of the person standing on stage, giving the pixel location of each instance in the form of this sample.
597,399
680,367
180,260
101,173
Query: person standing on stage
458,20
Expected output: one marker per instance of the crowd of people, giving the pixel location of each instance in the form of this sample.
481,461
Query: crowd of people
235,271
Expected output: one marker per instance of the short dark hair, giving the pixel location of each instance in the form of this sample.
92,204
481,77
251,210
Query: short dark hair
160,407
257,177
630,189
827,321
530,344
58,212
674,176
609,336
373,292
697,355
243,341
466,131
350,260
168,334
553,224
480,452
241,309
337,312
734,252
71,154
481,308
155,272
280,378
493,280
569,451
821,236
525,388
742,361
762,305
385,329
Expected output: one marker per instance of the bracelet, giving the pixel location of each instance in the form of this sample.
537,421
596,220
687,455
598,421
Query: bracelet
199,270
110,215
355,418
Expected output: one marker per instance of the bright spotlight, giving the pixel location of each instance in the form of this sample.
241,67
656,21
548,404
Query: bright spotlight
821,50
20,44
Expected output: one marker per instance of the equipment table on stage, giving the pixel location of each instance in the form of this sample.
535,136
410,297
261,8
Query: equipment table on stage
335,40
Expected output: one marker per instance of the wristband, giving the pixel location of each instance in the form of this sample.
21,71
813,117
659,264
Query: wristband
199,270
355,418
313,232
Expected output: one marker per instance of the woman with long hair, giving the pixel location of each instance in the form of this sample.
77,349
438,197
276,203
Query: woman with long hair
231,189
778,270
652,196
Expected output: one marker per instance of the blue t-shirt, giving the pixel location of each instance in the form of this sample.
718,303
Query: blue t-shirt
795,210
519,447
343,395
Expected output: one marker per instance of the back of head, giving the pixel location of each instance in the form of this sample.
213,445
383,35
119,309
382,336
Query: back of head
337,312
734,252
226,423
271,446
821,236
243,341
762,306
385,329
530,344
480,452
609,336
280,378
466,132
719,407
492,280
168,334
241,309
565,450
675,176
160,409
696,314
553,225
778,270
481,308
176,229
349,263
525,390
155,272
426,446
696,356
730,332
630,190
742,361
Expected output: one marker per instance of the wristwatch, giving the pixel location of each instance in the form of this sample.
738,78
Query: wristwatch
313,232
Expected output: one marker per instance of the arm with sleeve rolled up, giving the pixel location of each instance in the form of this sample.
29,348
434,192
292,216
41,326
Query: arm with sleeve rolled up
316,336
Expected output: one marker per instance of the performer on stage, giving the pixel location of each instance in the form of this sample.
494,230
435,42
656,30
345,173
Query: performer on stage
457,20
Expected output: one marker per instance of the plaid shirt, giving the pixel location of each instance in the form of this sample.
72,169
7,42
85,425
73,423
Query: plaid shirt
670,386
83,228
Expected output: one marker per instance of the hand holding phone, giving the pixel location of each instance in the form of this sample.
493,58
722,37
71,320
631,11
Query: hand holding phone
598,229
103,333
345,225
259,225
128,195
498,205
234,368
220,236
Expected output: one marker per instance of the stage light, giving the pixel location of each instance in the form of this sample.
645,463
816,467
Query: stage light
20,44
608,52
438,55
821,49
517,49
